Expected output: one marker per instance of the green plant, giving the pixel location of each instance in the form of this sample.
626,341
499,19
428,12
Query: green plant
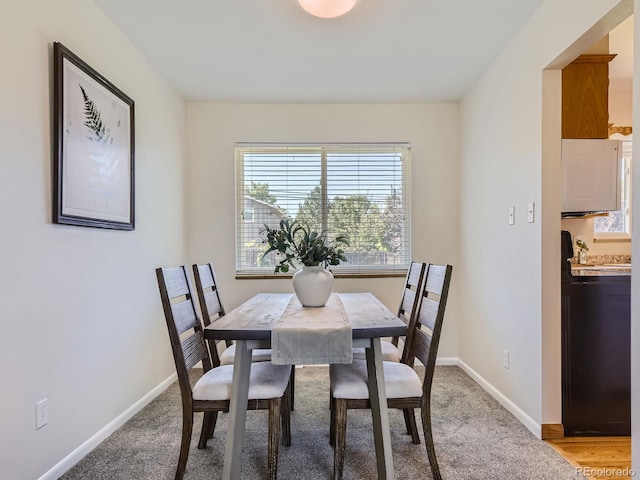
582,245
297,242
93,119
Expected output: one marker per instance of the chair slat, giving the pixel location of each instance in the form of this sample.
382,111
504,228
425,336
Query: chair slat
176,281
415,270
408,302
193,349
436,275
184,316
206,277
214,308
421,345
428,313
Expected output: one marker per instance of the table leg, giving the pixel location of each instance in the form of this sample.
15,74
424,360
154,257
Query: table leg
378,397
237,412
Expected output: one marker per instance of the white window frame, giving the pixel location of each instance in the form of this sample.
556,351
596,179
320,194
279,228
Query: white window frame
627,174
344,269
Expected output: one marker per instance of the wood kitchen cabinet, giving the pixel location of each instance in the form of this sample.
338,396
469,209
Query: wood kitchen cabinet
596,356
585,97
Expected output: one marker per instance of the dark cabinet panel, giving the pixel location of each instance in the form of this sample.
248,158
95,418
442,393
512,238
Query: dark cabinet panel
596,356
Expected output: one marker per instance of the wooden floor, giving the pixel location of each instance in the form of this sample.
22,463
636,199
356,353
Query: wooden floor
597,457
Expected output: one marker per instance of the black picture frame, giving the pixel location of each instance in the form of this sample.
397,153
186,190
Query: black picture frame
93,164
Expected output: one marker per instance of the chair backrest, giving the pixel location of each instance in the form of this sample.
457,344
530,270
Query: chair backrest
210,303
424,335
410,293
208,293
185,329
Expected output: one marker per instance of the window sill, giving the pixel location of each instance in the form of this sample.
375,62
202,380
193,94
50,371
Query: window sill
622,238
288,276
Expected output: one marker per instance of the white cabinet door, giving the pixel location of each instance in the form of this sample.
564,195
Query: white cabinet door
591,175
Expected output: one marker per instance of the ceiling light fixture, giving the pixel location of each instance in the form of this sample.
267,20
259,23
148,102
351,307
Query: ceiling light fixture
327,8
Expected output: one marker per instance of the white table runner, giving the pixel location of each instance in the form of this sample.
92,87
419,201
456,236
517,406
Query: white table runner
311,335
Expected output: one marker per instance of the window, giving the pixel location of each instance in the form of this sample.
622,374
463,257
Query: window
247,215
618,224
358,190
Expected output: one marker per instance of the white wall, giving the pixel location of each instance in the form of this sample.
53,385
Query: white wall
81,322
432,130
621,81
511,289
620,103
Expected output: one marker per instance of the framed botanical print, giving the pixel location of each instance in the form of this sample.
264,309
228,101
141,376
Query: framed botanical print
93,168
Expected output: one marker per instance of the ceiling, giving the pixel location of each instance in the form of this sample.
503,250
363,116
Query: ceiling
272,51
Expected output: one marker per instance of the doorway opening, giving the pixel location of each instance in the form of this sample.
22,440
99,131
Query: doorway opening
600,246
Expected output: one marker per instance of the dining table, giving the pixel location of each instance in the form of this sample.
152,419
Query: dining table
278,321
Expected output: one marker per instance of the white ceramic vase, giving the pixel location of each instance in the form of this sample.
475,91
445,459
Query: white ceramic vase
313,286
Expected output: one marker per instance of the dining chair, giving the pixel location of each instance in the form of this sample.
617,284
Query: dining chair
210,394
404,388
391,350
212,309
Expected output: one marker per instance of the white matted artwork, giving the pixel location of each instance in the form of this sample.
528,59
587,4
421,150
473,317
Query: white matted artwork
94,150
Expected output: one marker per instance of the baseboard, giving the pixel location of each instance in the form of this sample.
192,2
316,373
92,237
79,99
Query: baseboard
79,453
447,361
525,419
552,431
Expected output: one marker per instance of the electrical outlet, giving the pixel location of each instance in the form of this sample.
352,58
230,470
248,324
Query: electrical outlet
505,359
42,413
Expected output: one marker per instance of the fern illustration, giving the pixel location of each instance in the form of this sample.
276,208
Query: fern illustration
93,119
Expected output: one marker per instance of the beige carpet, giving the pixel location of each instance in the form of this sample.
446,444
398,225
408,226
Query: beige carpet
475,439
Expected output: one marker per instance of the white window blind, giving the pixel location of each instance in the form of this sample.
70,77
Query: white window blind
359,190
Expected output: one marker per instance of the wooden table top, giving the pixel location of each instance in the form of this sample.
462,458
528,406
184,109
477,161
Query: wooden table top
254,319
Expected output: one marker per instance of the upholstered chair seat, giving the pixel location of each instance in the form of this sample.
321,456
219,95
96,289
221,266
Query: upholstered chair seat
266,381
350,381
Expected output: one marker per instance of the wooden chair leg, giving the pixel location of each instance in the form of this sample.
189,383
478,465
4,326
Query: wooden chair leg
412,426
292,386
285,416
407,426
428,440
187,428
212,425
274,438
204,433
341,437
332,420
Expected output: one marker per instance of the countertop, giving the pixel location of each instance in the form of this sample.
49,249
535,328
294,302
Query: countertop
613,269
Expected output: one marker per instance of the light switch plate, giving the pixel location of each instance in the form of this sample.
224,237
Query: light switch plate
531,208
512,215
42,413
